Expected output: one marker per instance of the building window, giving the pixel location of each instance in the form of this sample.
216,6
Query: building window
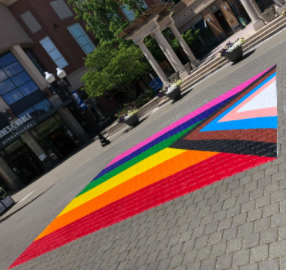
31,22
12,96
82,38
129,13
18,89
36,61
61,8
53,52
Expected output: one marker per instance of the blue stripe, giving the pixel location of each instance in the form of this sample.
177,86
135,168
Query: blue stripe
251,123
165,136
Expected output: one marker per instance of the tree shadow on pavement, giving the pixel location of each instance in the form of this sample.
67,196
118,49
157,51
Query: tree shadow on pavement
244,57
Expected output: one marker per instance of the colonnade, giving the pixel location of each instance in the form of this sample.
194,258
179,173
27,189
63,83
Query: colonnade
155,29
166,48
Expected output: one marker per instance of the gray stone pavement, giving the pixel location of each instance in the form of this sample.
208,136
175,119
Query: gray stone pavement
237,223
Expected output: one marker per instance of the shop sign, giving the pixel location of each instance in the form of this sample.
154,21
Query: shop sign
79,101
16,134
15,125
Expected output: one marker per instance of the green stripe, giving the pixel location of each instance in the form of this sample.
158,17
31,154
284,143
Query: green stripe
156,148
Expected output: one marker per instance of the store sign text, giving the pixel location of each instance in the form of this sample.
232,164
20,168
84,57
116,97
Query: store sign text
14,125
16,134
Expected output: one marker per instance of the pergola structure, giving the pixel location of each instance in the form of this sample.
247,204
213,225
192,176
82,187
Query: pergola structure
152,22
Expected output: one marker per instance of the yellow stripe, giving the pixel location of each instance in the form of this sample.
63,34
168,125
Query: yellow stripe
122,177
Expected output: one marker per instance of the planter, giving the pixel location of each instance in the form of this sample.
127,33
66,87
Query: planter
235,55
175,94
132,121
269,14
6,202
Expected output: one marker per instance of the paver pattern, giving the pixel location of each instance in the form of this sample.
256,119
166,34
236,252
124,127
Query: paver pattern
233,133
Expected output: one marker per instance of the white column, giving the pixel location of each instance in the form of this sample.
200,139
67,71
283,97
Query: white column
167,49
257,22
256,7
195,62
169,59
152,61
29,66
165,53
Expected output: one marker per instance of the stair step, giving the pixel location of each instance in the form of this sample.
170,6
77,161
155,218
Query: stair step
214,64
204,71
197,79
265,35
266,28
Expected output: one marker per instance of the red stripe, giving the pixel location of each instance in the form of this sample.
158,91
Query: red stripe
195,177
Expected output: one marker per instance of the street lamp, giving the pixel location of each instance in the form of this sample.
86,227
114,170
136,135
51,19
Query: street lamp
50,78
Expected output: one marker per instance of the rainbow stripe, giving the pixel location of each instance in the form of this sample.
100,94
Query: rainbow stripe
161,168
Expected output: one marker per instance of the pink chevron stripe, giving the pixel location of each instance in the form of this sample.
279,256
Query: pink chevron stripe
225,96
235,115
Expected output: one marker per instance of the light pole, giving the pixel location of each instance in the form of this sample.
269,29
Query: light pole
50,78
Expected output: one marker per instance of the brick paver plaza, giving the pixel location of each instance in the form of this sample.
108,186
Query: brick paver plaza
200,184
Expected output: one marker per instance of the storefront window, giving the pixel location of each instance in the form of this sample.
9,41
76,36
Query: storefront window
13,69
28,88
22,160
14,150
12,97
48,126
43,106
3,75
13,147
7,59
55,137
29,111
6,86
21,78
19,90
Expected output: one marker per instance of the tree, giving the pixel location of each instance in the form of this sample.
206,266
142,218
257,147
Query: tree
114,68
115,62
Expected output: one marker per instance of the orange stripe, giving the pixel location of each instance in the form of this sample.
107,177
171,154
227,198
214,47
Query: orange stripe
147,178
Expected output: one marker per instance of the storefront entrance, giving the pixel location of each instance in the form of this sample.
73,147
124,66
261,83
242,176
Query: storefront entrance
22,160
56,138
63,142
223,22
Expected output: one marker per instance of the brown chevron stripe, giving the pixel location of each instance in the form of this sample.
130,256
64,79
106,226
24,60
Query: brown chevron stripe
259,135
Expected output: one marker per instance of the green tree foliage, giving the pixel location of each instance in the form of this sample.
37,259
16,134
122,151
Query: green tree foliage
116,62
189,37
154,48
113,67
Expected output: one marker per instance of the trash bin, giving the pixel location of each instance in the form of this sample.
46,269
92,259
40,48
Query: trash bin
5,201
243,21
